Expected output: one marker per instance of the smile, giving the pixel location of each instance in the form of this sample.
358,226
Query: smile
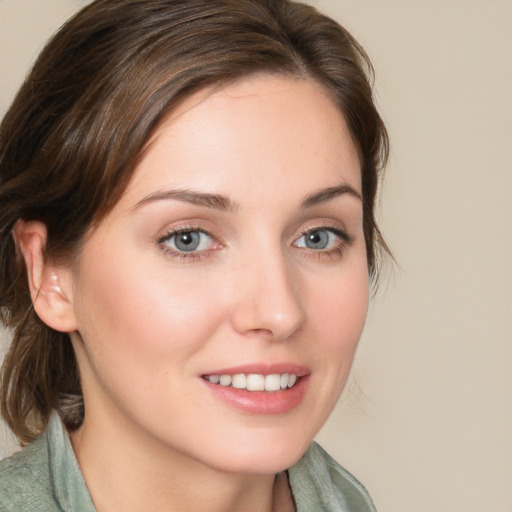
255,381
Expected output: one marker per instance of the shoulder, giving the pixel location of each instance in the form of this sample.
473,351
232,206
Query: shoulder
319,483
24,480
44,476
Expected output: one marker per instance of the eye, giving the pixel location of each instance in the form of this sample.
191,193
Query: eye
322,239
187,241
319,239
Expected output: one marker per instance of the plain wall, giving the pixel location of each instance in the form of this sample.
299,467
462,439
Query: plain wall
426,421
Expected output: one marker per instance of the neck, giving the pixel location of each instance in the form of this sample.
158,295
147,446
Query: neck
125,471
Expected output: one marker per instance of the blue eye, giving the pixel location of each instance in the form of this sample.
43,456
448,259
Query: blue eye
321,239
188,241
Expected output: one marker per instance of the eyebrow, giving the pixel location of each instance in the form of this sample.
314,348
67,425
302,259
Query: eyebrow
214,201
224,203
326,194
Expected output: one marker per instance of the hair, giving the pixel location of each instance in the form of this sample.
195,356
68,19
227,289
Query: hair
73,135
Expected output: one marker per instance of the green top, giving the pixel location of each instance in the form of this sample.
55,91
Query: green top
45,477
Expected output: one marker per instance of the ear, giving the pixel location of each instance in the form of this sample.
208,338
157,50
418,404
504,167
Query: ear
50,285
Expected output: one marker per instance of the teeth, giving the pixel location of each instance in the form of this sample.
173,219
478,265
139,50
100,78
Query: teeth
215,379
239,381
225,380
255,381
273,382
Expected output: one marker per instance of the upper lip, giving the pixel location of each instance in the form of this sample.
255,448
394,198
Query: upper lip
262,369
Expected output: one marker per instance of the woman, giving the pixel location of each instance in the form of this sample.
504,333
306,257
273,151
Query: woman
188,233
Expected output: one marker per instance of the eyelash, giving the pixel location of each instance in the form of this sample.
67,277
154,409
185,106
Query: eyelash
344,241
182,255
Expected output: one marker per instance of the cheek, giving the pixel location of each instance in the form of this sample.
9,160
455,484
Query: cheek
128,317
338,312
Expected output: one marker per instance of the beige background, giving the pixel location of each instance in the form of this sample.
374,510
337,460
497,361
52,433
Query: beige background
427,421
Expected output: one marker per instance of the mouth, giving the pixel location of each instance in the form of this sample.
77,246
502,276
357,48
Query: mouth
259,388
255,381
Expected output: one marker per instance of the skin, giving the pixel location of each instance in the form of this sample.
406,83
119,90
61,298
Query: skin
147,323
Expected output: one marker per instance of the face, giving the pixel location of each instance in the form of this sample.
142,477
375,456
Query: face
219,304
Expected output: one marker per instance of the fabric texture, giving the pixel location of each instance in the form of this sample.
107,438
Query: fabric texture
45,477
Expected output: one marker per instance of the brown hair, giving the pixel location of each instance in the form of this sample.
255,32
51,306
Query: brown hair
72,137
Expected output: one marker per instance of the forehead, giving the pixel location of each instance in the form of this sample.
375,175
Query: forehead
276,130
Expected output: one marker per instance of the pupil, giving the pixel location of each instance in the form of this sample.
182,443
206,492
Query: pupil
188,241
315,237
317,240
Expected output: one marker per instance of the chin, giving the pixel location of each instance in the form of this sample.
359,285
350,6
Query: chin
264,455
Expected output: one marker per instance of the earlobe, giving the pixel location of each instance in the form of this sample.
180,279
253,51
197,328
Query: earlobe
50,285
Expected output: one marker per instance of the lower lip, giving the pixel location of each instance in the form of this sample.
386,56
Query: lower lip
261,402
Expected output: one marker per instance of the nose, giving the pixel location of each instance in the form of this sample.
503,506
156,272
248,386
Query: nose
268,299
